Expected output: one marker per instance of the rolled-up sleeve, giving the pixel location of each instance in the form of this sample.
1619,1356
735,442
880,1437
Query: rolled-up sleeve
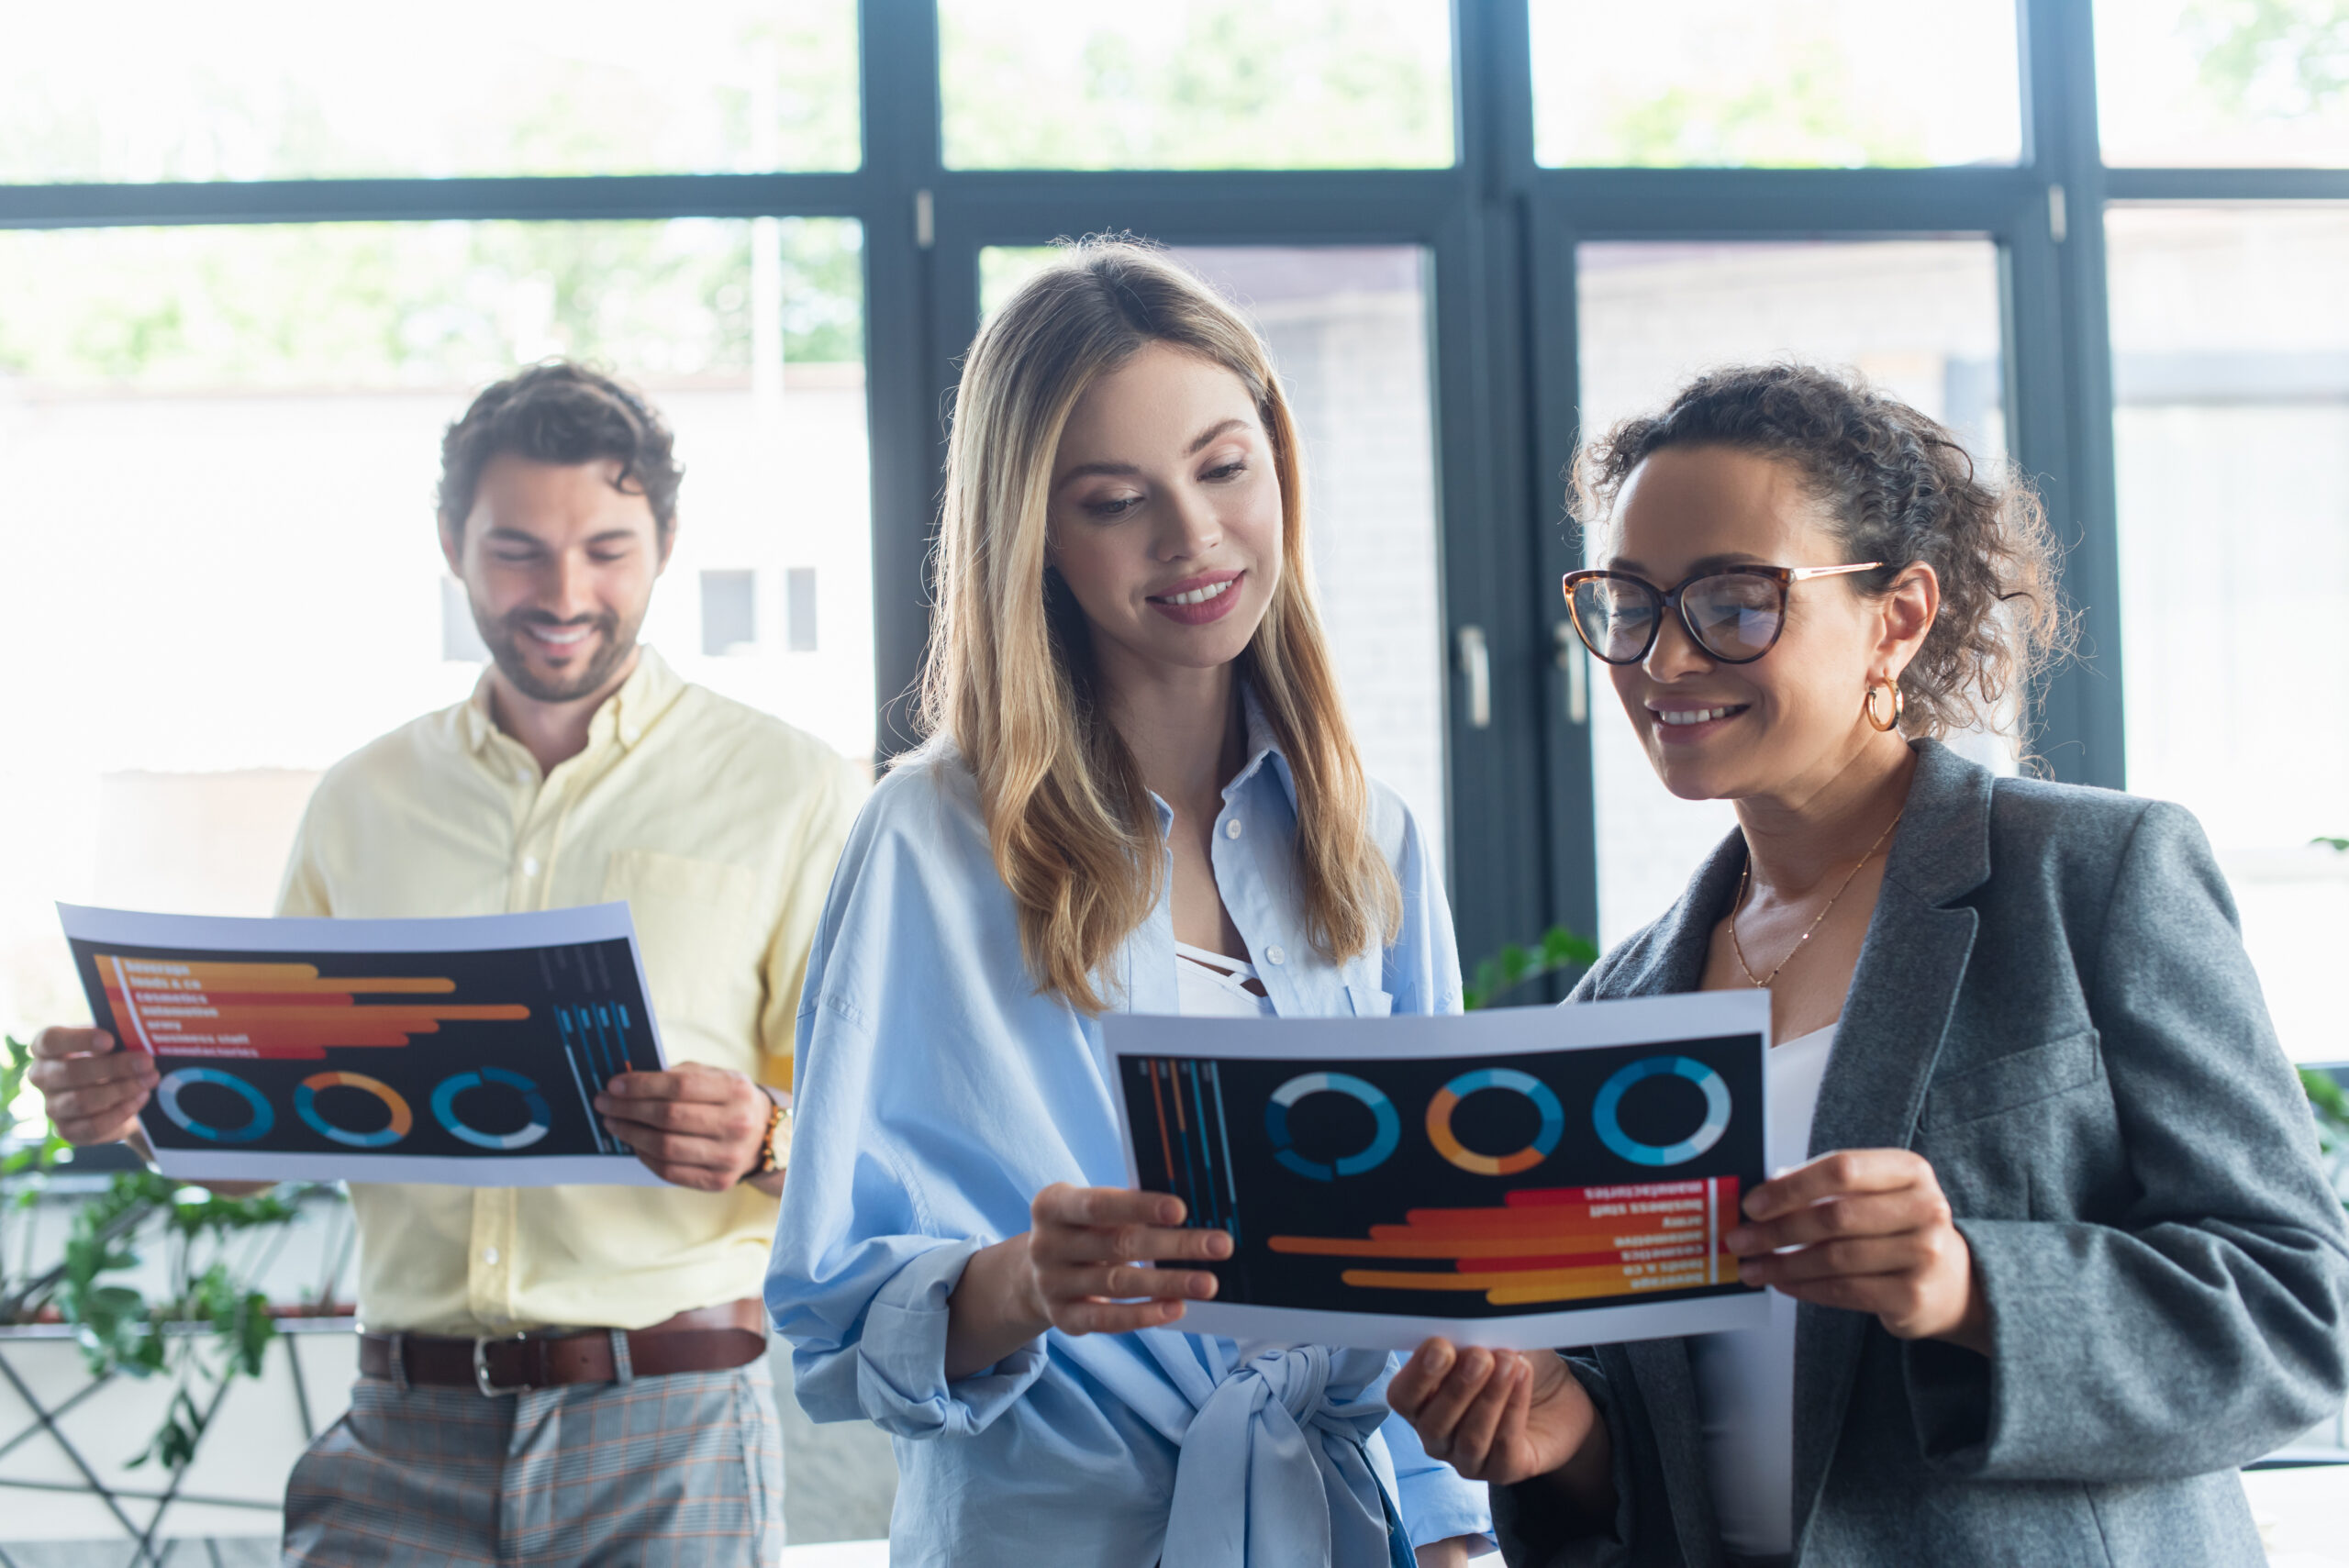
2205,1326
1437,1503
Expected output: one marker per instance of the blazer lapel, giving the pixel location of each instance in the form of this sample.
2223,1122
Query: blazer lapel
1890,1034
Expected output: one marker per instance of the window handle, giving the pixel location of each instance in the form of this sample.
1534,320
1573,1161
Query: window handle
1573,662
1477,664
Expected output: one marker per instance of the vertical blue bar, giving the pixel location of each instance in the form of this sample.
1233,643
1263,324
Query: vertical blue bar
1190,1181
1223,1136
1206,1148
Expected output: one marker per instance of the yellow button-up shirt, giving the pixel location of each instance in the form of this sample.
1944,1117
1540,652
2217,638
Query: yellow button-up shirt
720,825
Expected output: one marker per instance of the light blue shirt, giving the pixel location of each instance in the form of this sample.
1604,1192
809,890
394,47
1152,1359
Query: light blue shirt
938,1092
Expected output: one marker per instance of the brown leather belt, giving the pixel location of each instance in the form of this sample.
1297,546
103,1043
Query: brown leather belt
709,1339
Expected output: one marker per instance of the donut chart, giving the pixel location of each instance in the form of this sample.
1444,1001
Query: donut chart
1384,1141
305,1106
1604,1111
444,1108
167,1095
1447,1144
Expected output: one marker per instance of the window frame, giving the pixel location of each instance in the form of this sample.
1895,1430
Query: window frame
1501,230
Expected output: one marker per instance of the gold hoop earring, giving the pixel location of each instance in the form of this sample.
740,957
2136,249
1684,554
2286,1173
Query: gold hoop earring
1883,726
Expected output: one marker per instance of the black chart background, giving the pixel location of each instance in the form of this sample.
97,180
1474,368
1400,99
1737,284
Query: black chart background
537,978
1274,1200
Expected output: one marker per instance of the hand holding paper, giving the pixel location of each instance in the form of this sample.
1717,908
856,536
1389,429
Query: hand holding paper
92,1090
1869,1231
1529,1178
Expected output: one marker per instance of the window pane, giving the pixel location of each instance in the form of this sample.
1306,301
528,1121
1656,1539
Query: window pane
283,89
231,437
1348,330
1794,84
2182,83
1197,84
1920,318
2231,372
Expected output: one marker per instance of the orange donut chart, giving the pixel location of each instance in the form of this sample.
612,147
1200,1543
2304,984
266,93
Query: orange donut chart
1448,1144
305,1106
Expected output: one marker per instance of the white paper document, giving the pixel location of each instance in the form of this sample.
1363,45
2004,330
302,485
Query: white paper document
465,1052
1519,1178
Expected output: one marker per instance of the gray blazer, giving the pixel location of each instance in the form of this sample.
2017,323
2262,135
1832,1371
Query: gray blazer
2053,1006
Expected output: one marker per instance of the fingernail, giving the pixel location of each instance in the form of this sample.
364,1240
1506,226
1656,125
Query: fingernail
1171,1212
1203,1287
1739,1241
1219,1245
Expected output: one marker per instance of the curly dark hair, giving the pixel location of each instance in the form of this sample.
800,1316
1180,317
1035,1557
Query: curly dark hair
1896,487
561,412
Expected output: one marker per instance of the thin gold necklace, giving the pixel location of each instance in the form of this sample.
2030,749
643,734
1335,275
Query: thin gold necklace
1745,883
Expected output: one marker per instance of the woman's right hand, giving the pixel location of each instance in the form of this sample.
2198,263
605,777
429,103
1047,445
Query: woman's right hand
1086,1255
1079,1269
92,1090
1500,1415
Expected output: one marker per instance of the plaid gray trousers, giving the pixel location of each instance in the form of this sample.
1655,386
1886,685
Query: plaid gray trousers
677,1472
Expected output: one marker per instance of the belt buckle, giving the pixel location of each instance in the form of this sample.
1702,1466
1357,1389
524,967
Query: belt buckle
481,1366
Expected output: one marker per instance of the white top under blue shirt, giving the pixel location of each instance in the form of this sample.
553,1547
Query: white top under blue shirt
938,1092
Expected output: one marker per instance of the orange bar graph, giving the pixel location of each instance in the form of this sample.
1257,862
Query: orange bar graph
1552,1244
283,1011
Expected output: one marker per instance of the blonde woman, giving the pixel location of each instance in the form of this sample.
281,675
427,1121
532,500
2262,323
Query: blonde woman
1139,793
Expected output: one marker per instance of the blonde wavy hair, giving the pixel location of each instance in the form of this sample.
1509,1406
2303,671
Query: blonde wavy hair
1010,676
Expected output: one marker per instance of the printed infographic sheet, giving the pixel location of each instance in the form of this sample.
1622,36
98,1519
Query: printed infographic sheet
464,1051
1519,1178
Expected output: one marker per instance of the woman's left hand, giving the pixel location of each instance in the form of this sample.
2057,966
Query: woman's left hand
1869,1231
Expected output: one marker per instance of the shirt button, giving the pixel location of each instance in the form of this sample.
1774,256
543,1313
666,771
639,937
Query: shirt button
1231,829
489,1256
521,775
529,865
1275,955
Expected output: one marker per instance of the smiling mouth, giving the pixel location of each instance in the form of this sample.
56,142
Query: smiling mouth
1679,718
564,638
1198,595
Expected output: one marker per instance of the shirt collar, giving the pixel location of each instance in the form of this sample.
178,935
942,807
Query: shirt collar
1263,746
648,692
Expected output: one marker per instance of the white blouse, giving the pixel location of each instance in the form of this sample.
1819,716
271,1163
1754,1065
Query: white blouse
1745,1381
1209,985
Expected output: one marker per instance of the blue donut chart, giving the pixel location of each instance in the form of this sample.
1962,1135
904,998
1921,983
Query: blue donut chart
1603,1113
167,1095
1384,1141
444,1108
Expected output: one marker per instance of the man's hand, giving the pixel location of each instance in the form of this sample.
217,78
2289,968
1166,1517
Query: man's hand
693,1125
1495,1416
92,1090
1870,1232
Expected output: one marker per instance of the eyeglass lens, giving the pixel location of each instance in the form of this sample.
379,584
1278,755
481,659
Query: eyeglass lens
1734,616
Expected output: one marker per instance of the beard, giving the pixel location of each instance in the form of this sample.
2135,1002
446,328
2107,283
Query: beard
616,640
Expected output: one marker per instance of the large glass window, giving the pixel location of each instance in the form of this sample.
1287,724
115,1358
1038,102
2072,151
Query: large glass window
1794,84
285,89
2257,84
224,570
1917,317
1197,84
1348,330
2230,374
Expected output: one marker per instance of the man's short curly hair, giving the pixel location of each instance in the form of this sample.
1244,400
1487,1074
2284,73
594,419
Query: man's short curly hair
561,412
1896,487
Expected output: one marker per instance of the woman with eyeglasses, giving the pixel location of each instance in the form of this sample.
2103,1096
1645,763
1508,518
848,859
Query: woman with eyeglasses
2050,1253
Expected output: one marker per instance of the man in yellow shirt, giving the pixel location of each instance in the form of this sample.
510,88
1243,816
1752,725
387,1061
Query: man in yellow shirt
556,1375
